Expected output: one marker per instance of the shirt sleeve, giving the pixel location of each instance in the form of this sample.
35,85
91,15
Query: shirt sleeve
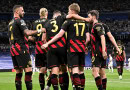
107,29
22,25
63,17
65,25
100,30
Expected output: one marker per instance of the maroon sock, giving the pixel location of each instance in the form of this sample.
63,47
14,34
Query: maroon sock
28,80
54,81
61,81
104,83
82,78
99,83
119,71
41,80
49,81
76,81
18,82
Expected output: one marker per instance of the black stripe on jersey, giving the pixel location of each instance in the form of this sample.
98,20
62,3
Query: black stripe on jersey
70,45
40,47
79,45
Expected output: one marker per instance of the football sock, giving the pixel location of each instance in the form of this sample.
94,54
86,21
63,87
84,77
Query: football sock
104,83
41,81
28,80
98,82
54,81
82,79
18,82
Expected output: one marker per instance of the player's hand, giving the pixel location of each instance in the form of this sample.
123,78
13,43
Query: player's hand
44,46
43,30
104,54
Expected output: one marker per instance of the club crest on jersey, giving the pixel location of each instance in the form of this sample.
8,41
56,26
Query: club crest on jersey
22,22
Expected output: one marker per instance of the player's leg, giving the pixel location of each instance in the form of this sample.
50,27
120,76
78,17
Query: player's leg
18,79
28,78
119,69
48,82
104,78
82,77
81,70
63,78
74,63
19,71
25,62
71,76
42,72
121,66
41,64
112,68
53,64
96,64
103,74
54,77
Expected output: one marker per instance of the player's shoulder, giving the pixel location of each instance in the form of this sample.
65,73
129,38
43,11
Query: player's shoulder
37,21
98,26
11,22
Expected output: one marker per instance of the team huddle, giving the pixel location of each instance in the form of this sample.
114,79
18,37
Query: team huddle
60,45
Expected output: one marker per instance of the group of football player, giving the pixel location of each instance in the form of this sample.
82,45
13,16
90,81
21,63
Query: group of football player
60,45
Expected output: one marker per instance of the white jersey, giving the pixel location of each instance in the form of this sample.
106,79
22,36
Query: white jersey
110,61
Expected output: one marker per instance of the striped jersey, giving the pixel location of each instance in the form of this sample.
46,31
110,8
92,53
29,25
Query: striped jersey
76,34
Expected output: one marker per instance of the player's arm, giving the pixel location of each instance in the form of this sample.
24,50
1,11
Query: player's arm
55,38
124,54
31,38
103,43
25,30
76,16
101,32
112,39
44,37
87,38
33,32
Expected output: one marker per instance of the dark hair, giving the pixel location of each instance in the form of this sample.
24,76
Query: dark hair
56,11
16,6
94,13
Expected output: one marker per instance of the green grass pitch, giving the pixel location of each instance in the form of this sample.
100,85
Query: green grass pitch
7,81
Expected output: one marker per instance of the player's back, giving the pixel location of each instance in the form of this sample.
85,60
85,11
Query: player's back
38,24
16,28
119,57
96,32
52,28
76,34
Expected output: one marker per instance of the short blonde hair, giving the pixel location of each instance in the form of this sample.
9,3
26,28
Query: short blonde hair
75,7
43,11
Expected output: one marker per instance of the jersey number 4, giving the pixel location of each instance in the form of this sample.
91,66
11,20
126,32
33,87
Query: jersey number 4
76,25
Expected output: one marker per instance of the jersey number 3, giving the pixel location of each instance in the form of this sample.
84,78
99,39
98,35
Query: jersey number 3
55,26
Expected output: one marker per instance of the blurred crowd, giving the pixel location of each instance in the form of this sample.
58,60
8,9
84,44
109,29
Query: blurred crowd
32,6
